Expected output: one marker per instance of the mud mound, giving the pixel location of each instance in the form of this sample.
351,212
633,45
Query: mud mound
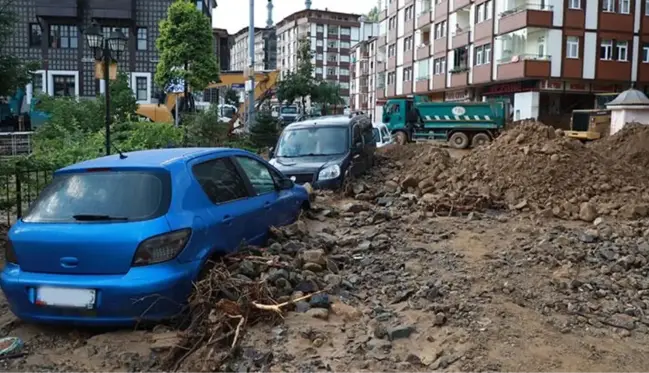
629,146
531,167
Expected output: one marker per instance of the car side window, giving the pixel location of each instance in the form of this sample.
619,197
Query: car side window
220,180
259,175
368,137
385,134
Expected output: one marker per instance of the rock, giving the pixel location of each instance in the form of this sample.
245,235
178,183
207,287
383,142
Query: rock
346,312
318,313
355,207
379,344
316,256
333,280
313,267
440,319
302,306
400,332
165,341
320,301
413,267
248,268
587,212
391,186
411,181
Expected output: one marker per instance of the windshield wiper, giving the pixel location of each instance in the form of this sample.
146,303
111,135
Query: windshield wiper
94,217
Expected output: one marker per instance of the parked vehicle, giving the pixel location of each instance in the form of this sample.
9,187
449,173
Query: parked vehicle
324,151
382,136
119,238
461,124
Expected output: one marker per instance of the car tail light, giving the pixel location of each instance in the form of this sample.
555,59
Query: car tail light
10,253
161,248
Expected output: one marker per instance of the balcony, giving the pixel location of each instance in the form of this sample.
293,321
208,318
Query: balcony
380,66
524,66
392,8
459,77
57,8
421,85
483,30
525,16
407,87
425,18
392,34
383,15
482,73
423,52
439,46
112,9
439,82
392,63
461,39
459,4
380,93
381,41
441,10
391,90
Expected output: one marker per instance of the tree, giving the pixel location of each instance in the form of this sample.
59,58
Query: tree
232,97
298,84
373,14
186,50
123,104
14,72
327,94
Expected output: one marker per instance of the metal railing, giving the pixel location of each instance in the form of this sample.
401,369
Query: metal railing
19,188
524,7
15,143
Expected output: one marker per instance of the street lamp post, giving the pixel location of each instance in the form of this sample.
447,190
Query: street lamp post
106,50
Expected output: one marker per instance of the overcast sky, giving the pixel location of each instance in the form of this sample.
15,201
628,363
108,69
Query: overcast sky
232,15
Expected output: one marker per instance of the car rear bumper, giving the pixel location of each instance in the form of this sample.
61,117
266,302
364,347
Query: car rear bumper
154,293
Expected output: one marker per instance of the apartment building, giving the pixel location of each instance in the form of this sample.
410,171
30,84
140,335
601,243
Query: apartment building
545,58
365,79
265,49
331,35
222,43
51,33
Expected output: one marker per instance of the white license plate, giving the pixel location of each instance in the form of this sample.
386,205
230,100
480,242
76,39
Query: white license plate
66,297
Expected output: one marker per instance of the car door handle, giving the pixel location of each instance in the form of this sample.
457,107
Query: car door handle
227,219
267,205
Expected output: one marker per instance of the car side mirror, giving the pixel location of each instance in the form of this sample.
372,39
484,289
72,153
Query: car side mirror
271,152
286,184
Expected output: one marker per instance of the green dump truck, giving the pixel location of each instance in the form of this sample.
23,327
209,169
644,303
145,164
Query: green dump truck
461,124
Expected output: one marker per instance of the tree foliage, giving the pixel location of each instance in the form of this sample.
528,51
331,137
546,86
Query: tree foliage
185,46
123,103
301,83
373,14
14,72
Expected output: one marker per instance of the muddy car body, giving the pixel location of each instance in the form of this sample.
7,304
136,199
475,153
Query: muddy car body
325,151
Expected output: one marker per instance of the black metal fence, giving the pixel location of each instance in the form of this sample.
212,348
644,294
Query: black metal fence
18,189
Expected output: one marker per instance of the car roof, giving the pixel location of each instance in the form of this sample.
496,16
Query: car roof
328,120
160,158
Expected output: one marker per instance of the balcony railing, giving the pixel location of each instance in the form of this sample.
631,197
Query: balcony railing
514,57
525,7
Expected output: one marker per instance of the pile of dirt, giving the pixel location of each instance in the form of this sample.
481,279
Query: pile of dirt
531,167
629,146
254,285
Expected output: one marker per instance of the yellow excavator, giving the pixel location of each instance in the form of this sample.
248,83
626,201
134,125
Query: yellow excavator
265,82
592,124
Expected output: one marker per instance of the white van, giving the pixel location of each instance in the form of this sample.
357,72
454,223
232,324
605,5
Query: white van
382,135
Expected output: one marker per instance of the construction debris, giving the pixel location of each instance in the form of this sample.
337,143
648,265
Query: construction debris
531,167
629,146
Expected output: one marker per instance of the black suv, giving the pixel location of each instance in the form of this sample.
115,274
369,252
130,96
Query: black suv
324,150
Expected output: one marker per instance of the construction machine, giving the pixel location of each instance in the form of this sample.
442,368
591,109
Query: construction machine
163,111
592,124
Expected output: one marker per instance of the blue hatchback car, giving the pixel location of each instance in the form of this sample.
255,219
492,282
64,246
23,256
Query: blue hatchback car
120,239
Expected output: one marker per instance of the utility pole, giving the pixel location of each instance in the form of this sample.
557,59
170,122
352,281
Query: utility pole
251,65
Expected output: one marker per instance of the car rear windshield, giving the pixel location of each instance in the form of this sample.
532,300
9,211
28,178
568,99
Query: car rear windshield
289,110
114,195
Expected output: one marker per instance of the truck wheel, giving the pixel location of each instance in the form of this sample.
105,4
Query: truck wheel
459,140
480,139
401,138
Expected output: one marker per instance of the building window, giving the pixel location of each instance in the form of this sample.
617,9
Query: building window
332,44
319,57
344,58
141,88
487,53
479,56
646,8
608,6
64,36
574,4
423,69
392,78
461,58
106,30
141,39
318,70
37,83
440,30
409,13
439,66
345,44
606,50
344,85
35,35
480,13
572,47
64,85
392,23
488,10
625,6
407,43
318,28
392,50
345,31
319,43
645,53
344,72
622,50
407,74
